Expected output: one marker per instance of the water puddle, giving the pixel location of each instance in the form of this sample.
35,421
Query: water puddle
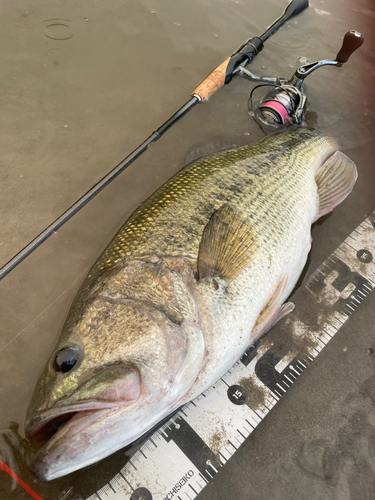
82,85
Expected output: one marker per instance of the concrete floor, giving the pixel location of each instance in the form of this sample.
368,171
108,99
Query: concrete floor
75,99
319,440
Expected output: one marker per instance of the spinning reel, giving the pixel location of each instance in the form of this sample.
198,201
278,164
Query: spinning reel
287,103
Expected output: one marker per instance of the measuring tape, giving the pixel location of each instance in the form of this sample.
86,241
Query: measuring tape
180,458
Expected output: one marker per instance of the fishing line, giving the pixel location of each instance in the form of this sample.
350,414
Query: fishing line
250,100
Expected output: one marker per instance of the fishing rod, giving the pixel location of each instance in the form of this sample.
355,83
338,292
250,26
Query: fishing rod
214,81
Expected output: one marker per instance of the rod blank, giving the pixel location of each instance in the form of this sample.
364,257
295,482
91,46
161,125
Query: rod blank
216,79
99,186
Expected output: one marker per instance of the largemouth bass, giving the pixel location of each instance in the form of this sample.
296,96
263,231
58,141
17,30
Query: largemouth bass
194,277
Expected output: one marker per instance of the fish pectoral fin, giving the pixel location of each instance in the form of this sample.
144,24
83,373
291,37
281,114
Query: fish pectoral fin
228,244
273,312
335,180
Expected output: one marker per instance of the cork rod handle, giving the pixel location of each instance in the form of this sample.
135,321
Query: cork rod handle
212,82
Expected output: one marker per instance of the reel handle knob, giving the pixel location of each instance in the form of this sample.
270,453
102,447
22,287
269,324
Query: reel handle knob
352,41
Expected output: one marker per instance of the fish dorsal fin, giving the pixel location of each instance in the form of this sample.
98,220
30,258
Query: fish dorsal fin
214,145
335,180
227,245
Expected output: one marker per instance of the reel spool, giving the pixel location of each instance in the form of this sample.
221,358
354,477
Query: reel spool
287,103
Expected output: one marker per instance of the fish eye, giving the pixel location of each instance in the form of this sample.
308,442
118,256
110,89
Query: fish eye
66,358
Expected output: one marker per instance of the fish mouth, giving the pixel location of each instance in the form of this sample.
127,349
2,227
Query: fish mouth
119,388
49,427
63,433
48,423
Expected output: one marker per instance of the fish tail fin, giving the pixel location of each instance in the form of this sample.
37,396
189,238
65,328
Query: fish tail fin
335,180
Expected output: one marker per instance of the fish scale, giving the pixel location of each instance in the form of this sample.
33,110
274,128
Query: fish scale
187,452
188,283
171,203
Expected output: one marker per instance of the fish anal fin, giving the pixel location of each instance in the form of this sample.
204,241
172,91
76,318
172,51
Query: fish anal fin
273,312
227,246
335,180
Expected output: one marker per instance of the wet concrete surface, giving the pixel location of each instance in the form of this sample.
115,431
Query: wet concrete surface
84,83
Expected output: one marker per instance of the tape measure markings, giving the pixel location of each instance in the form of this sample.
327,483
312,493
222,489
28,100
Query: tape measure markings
190,448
